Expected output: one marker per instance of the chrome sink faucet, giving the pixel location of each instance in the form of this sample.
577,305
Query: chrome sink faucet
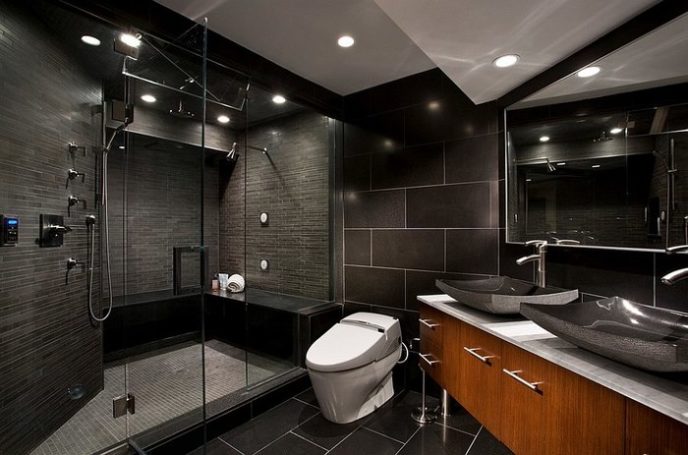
539,257
678,274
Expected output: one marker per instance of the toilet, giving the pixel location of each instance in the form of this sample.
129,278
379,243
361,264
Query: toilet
350,365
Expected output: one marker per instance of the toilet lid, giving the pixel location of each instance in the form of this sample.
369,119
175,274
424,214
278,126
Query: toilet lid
344,347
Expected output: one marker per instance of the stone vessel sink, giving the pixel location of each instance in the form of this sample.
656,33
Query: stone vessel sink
642,336
502,294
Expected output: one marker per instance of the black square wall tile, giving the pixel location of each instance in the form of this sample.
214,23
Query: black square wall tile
357,247
423,283
290,444
451,206
414,166
325,433
438,440
486,444
351,308
363,441
357,173
374,134
602,272
472,250
472,159
375,286
259,432
378,209
410,249
408,320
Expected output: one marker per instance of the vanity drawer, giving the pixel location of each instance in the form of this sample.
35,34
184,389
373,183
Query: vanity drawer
430,323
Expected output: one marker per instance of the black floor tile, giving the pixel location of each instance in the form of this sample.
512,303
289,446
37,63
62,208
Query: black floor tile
363,441
308,397
460,419
394,418
438,440
486,444
216,447
290,444
259,432
325,433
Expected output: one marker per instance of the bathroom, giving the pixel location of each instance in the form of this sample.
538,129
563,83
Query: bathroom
195,194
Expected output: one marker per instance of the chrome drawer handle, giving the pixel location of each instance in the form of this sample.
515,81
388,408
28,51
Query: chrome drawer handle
427,360
429,323
482,358
531,385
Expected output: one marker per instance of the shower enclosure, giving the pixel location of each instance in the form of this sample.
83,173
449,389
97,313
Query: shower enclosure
169,160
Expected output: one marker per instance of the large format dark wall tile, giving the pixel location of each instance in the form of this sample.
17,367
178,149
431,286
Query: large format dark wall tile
48,342
406,145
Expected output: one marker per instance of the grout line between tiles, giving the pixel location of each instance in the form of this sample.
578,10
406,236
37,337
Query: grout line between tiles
473,442
307,440
305,402
340,442
409,439
230,445
437,422
384,435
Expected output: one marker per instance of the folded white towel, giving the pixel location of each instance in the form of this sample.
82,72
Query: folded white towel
236,283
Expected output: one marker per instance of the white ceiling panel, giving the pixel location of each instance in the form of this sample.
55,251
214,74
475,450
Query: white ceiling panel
301,36
463,37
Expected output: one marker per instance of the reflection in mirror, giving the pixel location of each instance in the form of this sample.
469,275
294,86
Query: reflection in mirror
603,161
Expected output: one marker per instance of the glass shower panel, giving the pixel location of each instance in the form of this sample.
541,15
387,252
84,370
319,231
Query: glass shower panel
287,228
163,238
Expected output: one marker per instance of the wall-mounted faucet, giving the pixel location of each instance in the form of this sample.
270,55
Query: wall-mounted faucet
539,258
679,274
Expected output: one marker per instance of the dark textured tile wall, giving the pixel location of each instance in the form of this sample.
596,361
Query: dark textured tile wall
162,211
421,182
292,184
48,342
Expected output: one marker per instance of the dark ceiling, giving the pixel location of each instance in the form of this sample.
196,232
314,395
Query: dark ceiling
169,71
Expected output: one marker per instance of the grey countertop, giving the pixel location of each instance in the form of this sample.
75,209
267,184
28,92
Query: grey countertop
666,395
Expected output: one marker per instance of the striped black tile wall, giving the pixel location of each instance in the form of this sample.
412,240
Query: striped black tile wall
47,342
290,183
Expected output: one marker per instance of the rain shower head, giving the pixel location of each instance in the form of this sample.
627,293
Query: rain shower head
181,113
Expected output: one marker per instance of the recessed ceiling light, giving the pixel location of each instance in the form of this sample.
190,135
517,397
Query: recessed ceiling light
616,130
589,71
121,147
544,138
223,119
90,40
345,41
595,166
148,98
278,99
529,180
130,39
506,60
563,163
433,105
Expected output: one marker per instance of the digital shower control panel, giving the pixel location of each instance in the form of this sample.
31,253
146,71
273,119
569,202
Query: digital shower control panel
10,230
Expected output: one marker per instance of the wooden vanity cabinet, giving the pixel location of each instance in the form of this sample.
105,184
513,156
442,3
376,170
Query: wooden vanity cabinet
651,433
547,409
431,357
479,375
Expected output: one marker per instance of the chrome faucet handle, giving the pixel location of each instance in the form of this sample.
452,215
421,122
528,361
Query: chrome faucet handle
676,249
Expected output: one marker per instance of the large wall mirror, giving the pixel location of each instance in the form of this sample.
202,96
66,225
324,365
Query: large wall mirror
602,161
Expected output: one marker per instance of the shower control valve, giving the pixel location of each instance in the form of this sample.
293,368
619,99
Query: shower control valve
73,200
73,174
71,263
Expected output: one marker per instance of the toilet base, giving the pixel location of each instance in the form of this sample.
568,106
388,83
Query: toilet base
383,394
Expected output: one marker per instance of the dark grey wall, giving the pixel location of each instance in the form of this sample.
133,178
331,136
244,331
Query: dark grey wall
290,183
162,191
48,343
421,193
